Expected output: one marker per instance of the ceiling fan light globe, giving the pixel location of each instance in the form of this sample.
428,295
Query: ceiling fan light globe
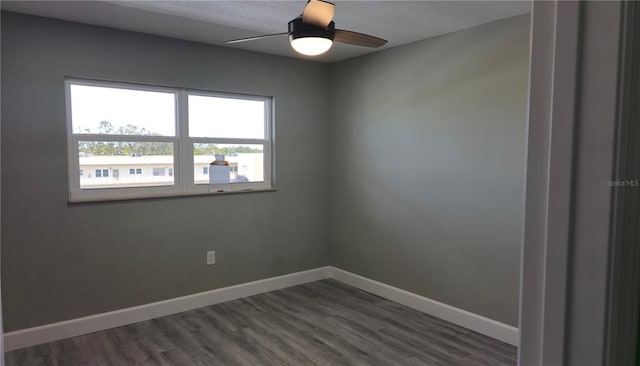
311,46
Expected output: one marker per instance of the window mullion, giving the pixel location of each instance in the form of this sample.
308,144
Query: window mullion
74,176
268,161
228,141
186,150
123,138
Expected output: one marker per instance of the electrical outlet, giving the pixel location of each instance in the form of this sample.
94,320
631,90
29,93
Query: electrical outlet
211,257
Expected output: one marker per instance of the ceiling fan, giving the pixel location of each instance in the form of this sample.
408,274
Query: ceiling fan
314,32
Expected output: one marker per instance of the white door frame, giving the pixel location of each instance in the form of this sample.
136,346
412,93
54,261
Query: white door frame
624,281
572,153
554,43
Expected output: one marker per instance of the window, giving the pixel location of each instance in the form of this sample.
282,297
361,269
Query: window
157,172
102,173
236,129
165,138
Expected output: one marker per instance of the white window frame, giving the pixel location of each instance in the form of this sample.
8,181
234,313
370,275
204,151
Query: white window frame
183,163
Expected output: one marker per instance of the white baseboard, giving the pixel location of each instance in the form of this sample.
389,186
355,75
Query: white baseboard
94,323
489,327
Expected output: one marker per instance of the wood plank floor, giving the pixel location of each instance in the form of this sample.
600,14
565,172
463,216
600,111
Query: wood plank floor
320,323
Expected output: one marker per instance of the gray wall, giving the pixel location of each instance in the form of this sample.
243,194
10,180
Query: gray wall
428,151
62,261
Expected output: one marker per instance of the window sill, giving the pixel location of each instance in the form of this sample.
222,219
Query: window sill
164,196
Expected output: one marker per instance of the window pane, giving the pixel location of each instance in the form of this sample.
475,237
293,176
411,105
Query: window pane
226,117
245,162
102,163
101,110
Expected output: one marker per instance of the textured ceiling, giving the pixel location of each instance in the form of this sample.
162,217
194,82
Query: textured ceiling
213,22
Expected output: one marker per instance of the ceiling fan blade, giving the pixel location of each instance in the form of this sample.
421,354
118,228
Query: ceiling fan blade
358,39
319,13
254,38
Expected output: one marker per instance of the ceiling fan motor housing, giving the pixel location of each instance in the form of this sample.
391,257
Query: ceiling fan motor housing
300,29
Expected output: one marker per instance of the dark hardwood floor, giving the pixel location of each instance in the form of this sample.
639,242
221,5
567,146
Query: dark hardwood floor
320,323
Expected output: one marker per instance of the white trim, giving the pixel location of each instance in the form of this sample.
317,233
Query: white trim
544,26
94,323
77,137
72,147
183,164
227,140
478,323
